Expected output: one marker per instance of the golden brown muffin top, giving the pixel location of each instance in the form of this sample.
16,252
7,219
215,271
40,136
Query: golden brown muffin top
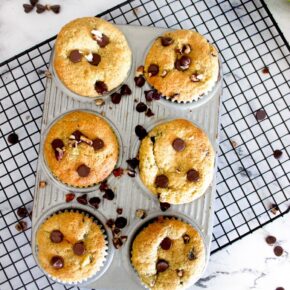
71,246
176,161
91,56
168,254
81,149
182,65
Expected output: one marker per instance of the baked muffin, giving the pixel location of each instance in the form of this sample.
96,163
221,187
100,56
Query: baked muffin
81,149
176,161
168,254
182,65
71,246
91,56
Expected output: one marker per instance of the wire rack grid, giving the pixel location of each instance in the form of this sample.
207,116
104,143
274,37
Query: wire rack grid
249,179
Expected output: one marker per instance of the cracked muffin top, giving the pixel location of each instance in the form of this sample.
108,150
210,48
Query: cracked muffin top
168,254
182,65
81,149
91,56
71,246
176,161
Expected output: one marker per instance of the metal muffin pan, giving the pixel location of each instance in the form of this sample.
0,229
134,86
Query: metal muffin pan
129,195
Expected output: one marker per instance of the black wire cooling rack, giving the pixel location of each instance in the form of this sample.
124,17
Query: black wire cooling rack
249,179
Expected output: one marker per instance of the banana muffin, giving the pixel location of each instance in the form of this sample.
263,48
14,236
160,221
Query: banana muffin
81,149
71,246
168,254
176,161
91,56
182,65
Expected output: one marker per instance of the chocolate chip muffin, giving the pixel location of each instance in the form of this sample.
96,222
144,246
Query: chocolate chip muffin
91,56
81,149
168,254
71,246
176,161
182,65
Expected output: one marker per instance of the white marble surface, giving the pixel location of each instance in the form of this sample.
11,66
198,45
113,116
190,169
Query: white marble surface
247,264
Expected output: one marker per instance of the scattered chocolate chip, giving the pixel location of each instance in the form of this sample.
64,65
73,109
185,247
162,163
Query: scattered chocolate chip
278,251
98,144
79,248
140,213
56,236
164,206
182,63
166,41
186,49
103,41
124,238
109,194
133,163
265,70
152,95
277,154
149,113
196,77
119,210
42,184
57,262
274,209
141,107
22,212
153,70
110,223
116,233
140,132
161,181
103,186
139,81
118,171
55,8
234,143
69,197
180,272
59,153
120,222
152,138
57,143
27,8
271,240
96,59
82,199
76,135
161,266
101,88
95,201
191,255
117,242
280,288
131,173
125,90
33,2
116,98
178,145
166,244
83,170
261,115
40,8
21,226
186,238
192,175
13,138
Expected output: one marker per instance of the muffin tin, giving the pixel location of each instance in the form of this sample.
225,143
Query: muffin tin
129,195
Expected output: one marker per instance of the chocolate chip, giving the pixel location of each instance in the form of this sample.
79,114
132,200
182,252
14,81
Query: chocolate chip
149,113
79,248
98,144
56,236
192,175
13,138
261,115
280,288
277,154
95,201
55,8
109,194
57,143
117,172
131,173
33,2
274,209
82,199
110,223
103,41
186,238
152,95
182,63
271,240
96,59
161,181
186,49
27,8
140,132
116,98
116,232
178,145
166,41
69,197
133,163
265,70
21,226
22,212
278,251
57,262
191,255
77,135
103,186
40,8
83,170
166,244
152,138
119,210
101,88
161,266
139,81
153,70
125,90
120,222
141,107
180,272
117,242
164,206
